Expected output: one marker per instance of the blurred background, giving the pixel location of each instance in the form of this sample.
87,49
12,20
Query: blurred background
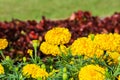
54,9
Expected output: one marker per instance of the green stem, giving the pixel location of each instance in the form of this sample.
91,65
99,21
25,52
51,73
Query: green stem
2,54
35,49
33,59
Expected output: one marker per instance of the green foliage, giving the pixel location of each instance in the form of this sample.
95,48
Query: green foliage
61,67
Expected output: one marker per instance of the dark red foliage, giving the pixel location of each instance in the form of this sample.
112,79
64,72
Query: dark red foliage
20,33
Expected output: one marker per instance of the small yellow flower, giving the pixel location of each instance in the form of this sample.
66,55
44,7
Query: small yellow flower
1,69
92,72
34,71
3,43
30,52
58,36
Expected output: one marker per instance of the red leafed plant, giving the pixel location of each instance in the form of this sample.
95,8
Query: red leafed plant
21,33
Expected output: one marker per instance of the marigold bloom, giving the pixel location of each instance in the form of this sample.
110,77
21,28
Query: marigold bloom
85,46
54,50
3,43
92,72
79,46
108,42
34,71
58,36
1,69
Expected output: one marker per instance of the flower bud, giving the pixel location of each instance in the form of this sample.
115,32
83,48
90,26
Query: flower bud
35,43
24,59
39,78
51,67
23,32
64,70
21,77
65,76
7,58
72,78
16,68
43,66
91,36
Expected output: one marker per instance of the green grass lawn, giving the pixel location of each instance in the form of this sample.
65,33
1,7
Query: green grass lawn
54,9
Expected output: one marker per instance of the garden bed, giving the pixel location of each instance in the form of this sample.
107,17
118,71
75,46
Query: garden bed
61,49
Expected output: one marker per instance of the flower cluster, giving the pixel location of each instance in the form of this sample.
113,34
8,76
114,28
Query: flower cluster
96,45
108,42
34,71
58,36
92,72
53,39
1,69
85,46
3,43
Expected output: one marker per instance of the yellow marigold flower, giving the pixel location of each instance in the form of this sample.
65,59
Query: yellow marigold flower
1,69
54,50
85,46
3,43
99,52
58,36
79,46
108,42
30,52
47,49
92,72
34,71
